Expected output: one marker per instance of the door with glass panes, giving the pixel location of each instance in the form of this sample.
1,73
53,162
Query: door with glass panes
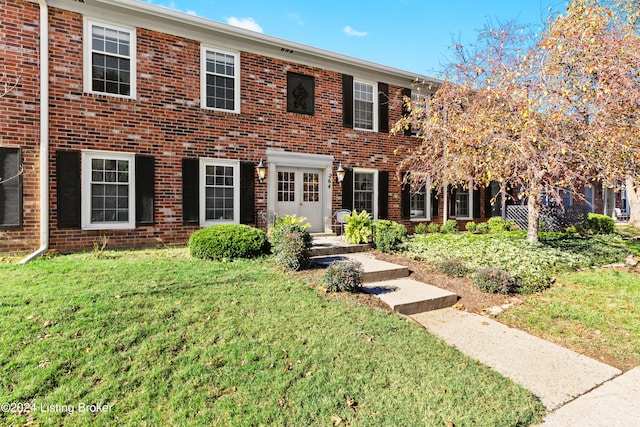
299,193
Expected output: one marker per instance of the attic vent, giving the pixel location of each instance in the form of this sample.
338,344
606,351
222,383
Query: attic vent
285,50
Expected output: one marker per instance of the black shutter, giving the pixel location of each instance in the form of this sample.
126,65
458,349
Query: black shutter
68,189
476,203
435,204
347,189
190,192
452,201
247,193
406,93
347,101
10,188
383,108
488,209
145,189
383,195
405,201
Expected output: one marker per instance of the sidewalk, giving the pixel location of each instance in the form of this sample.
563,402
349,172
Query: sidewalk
576,390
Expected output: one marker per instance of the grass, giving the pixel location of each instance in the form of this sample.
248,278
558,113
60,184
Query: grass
164,339
594,312
534,264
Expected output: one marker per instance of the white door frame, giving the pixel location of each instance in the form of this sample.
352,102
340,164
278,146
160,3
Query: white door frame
282,158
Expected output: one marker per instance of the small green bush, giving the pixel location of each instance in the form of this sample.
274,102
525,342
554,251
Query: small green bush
471,227
454,267
598,224
420,228
496,281
344,276
358,227
433,227
497,224
449,227
228,241
300,222
387,235
290,242
482,228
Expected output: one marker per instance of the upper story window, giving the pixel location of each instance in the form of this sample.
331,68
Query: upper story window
364,111
109,59
220,80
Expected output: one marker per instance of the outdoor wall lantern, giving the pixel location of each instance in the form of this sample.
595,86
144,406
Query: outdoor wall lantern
262,171
340,174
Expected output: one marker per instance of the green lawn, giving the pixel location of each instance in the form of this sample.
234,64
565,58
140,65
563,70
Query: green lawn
164,339
596,313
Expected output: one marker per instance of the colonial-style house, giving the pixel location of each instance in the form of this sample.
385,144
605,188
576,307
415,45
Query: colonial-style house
129,121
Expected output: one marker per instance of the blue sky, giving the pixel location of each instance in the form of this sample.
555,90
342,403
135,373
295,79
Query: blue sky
412,35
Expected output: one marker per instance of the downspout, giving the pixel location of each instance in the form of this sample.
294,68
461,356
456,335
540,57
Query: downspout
44,133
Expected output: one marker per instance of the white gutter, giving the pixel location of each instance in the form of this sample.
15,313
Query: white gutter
44,133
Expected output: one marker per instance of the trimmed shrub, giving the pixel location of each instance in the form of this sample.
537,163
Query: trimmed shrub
290,242
496,281
228,241
598,224
344,276
482,228
420,228
449,227
471,227
497,224
433,227
387,235
358,227
454,267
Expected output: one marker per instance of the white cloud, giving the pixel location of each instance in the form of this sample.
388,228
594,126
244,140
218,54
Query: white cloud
295,18
246,23
351,32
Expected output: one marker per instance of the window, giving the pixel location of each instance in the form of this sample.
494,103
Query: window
108,188
460,203
589,196
421,100
420,201
364,111
10,187
109,59
220,80
219,191
364,191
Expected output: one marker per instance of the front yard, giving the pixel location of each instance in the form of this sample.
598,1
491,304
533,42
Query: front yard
159,338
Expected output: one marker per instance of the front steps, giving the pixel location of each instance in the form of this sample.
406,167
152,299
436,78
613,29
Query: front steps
387,281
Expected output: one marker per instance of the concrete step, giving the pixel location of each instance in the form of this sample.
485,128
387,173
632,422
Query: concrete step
408,296
375,270
334,245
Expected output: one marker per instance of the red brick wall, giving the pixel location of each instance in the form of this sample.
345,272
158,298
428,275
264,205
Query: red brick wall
166,121
20,111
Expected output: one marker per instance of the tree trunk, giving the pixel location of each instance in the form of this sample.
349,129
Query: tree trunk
633,198
533,218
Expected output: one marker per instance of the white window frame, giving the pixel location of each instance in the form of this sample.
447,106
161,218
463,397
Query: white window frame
418,97
204,162
203,78
87,157
375,105
469,191
427,203
374,172
88,57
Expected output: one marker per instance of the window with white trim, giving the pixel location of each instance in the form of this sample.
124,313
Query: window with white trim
421,100
110,59
461,201
365,191
364,105
420,204
220,80
108,190
219,191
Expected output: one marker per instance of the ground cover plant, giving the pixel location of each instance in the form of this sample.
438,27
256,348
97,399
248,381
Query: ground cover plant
594,312
162,338
534,265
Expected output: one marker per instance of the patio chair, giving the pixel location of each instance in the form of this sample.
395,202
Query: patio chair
268,218
621,215
339,220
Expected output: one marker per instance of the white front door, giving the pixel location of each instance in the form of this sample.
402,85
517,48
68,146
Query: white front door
299,193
